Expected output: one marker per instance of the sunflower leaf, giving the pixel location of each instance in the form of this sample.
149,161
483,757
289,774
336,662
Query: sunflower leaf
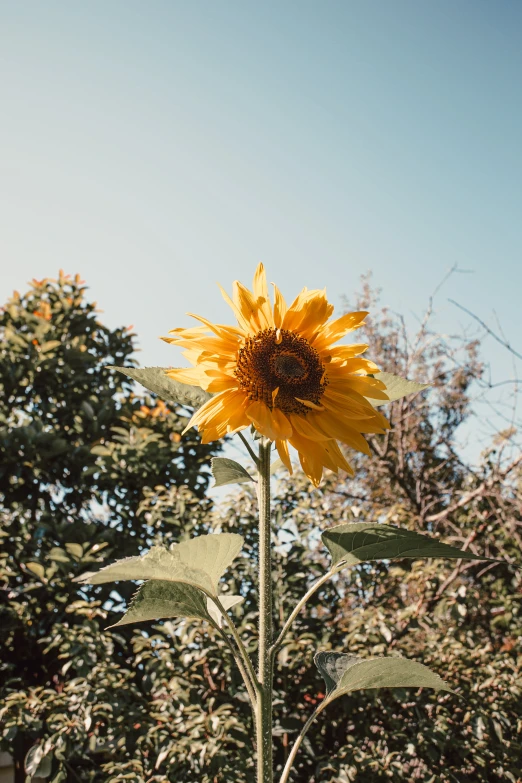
276,464
227,602
158,600
360,542
155,380
228,471
199,562
396,387
344,674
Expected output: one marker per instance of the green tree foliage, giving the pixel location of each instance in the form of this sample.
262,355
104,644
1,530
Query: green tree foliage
79,454
162,701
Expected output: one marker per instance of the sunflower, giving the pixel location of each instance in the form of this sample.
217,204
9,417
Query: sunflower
281,371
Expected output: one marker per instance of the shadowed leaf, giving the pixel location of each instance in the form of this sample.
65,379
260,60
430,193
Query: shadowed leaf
359,542
228,471
157,600
344,673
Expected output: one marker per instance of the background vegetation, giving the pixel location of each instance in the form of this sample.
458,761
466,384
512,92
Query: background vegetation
90,470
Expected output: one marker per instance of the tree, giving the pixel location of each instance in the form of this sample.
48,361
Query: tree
79,453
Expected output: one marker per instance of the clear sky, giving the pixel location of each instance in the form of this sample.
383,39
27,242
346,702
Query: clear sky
157,147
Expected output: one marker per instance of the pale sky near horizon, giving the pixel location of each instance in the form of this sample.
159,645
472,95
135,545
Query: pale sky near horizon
159,147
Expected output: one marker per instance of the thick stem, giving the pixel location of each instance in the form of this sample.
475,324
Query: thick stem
265,675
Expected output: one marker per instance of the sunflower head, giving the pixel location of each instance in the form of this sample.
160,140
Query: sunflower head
281,371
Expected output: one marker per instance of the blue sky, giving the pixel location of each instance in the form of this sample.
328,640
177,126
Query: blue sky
159,147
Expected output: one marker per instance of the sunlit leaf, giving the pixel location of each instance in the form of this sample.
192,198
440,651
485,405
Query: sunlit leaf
200,562
74,549
396,387
344,673
227,602
228,471
155,380
276,464
37,569
359,542
37,763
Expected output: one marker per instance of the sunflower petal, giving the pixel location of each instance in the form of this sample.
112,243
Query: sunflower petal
271,424
284,454
242,321
338,328
280,307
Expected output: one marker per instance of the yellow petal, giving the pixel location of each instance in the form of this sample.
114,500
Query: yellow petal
312,457
191,375
243,322
310,404
308,311
265,314
368,387
280,307
344,352
339,429
271,424
216,410
221,384
305,427
228,333
338,328
260,286
284,454
339,457
345,402
312,467
281,424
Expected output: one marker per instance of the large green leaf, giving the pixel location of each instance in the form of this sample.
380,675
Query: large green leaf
200,562
157,600
155,380
346,673
396,387
359,542
228,471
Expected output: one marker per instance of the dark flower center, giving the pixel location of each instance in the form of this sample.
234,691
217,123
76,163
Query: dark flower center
279,359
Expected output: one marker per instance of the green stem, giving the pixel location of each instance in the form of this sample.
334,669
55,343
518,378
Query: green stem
265,675
297,744
249,449
251,675
241,666
286,627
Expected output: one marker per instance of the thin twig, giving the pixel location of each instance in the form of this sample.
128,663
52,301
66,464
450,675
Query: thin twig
490,331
